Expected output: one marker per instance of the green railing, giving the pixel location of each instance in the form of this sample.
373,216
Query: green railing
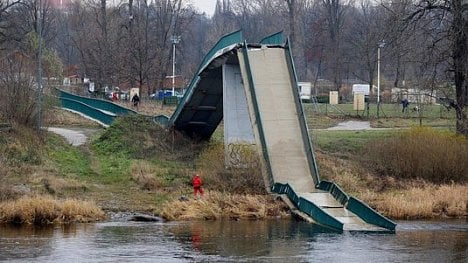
356,206
225,41
369,215
313,167
103,118
307,207
161,119
99,110
274,39
97,103
335,191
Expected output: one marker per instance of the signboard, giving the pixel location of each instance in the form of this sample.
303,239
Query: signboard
333,97
134,91
359,103
361,89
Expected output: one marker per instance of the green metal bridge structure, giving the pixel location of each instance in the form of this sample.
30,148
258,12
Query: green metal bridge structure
253,88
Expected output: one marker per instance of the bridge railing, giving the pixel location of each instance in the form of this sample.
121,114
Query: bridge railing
97,115
313,167
224,42
356,206
335,191
369,215
97,103
307,207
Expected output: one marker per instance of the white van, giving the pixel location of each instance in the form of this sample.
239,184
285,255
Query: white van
305,90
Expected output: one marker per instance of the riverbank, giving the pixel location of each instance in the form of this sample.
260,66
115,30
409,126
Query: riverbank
135,166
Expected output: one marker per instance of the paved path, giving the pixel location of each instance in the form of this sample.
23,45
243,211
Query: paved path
75,136
352,126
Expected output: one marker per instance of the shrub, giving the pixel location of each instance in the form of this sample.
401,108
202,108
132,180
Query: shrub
422,153
21,146
141,138
246,178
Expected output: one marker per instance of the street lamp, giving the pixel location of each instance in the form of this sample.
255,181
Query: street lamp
380,45
175,40
39,21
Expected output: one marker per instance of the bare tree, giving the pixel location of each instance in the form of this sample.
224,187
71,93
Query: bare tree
17,103
5,22
334,14
453,16
366,31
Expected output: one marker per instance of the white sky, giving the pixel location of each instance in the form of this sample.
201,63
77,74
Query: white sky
207,6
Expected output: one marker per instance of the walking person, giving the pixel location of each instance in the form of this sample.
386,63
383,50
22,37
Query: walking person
197,183
136,101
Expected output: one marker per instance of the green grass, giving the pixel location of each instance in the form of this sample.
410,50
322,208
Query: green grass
351,142
113,169
68,159
412,122
386,111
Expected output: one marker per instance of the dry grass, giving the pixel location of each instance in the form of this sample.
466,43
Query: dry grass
150,107
42,210
428,201
397,198
243,180
145,175
57,185
57,117
216,205
425,153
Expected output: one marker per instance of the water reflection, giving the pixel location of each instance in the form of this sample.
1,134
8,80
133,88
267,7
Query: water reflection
232,241
246,238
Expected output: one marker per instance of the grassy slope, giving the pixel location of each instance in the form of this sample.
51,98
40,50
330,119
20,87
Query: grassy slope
125,168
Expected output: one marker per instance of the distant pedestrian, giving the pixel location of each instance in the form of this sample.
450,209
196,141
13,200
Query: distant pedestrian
197,185
135,101
405,104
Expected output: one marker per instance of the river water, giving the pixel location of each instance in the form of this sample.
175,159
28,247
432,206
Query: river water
233,241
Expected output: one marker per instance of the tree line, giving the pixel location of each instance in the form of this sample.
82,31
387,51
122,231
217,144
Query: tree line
127,43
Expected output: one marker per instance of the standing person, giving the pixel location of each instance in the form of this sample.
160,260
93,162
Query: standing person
197,183
405,104
136,100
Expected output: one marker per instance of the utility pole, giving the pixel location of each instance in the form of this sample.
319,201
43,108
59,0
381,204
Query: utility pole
39,69
175,40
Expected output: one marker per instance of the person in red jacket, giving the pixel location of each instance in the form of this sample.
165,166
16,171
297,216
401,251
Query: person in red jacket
197,183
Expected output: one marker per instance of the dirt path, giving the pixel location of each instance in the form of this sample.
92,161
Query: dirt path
75,136
352,125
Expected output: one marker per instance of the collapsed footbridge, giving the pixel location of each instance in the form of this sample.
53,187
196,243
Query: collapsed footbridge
253,88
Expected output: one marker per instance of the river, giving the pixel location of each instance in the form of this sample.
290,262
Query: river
233,241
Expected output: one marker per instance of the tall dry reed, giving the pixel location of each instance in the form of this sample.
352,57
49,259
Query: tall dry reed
216,205
42,210
424,201
425,153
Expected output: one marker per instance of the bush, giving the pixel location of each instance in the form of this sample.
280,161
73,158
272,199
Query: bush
423,153
141,138
18,100
21,146
245,179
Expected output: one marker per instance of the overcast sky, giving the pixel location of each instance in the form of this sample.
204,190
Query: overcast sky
207,6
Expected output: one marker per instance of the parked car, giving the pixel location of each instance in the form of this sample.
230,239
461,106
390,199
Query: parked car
161,94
